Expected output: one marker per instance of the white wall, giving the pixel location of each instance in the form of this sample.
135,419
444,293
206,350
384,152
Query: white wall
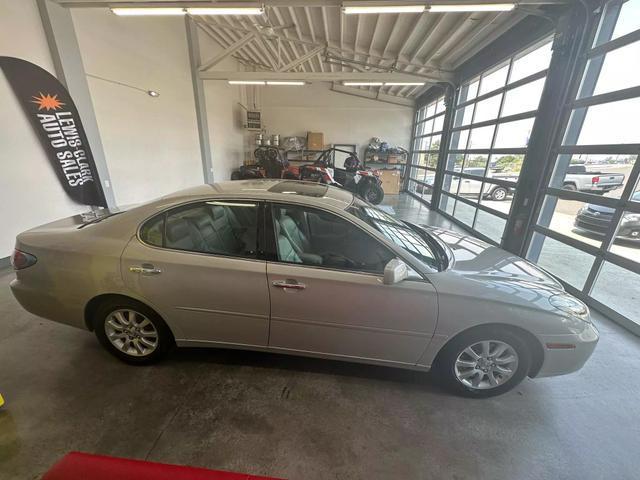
151,144
342,118
224,115
30,193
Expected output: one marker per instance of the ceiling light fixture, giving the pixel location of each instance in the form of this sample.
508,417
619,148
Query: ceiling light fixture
362,84
479,7
381,84
135,12
285,82
247,82
403,84
226,11
352,9
204,11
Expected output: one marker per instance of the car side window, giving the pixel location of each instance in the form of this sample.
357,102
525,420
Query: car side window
152,231
216,227
314,237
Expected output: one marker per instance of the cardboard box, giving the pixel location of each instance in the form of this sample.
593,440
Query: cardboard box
390,181
315,141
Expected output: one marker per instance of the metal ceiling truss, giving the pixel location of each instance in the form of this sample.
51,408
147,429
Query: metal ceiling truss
313,36
271,3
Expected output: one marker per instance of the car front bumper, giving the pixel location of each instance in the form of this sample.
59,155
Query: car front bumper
577,350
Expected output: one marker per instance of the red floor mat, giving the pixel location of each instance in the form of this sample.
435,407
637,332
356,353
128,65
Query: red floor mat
85,466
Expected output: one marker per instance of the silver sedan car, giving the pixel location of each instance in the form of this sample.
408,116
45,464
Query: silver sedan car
304,269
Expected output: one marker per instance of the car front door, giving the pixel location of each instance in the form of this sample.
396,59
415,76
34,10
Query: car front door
328,295
198,265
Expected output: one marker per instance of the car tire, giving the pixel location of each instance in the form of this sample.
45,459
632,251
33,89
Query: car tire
131,331
569,186
499,194
372,193
236,175
454,368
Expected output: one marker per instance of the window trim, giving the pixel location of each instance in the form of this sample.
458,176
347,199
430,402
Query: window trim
165,212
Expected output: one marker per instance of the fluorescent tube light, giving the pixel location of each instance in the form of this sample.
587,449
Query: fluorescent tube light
284,82
362,84
398,84
147,11
352,9
480,7
226,11
246,82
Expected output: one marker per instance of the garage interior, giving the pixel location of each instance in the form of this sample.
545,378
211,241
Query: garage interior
512,123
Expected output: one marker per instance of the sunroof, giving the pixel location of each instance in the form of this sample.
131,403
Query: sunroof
295,187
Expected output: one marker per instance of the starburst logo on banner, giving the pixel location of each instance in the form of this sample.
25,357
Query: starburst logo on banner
47,102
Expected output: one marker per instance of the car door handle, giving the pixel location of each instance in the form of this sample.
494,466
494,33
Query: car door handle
288,283
146,269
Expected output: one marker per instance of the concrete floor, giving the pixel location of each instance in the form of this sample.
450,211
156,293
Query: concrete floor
307,419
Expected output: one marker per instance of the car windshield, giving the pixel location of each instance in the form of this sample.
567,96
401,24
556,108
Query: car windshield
402,234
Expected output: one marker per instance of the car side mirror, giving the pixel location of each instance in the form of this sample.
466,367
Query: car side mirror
395,271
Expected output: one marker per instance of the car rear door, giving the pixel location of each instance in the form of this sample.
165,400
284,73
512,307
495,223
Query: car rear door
344,309
198,266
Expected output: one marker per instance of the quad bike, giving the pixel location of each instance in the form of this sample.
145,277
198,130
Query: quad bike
365,183
271,164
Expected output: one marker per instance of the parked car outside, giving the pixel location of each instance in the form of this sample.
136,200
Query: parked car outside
490,191
578,178
596,220
252,264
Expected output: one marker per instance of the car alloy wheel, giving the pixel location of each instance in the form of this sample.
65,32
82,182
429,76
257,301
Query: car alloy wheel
499,194
486,364
131,332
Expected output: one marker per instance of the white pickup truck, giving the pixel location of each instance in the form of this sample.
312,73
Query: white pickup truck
578,178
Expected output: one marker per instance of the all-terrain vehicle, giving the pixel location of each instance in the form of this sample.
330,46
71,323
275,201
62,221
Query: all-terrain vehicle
270,163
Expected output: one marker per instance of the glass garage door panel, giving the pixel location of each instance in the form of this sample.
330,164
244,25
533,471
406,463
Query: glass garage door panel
627,237
590,219
628,20
530,63
568,263
497,197
447,204
426,146
618,289
609,123
585,222
490,225
615,73
484,125
464,213
602,174
505,166
523,99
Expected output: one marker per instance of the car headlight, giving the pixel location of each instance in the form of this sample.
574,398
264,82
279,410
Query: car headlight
568,304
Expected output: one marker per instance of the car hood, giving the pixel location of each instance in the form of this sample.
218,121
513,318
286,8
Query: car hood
600,209
480,262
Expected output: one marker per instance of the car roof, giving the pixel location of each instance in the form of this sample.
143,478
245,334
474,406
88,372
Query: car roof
313,193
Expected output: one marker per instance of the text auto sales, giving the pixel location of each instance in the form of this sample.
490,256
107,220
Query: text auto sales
63,136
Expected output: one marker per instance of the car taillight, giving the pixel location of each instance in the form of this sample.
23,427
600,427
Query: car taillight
595,180
21,260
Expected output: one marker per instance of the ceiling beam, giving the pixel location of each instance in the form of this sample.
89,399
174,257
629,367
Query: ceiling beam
266,3
301,59
231,49
373,95
312,76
